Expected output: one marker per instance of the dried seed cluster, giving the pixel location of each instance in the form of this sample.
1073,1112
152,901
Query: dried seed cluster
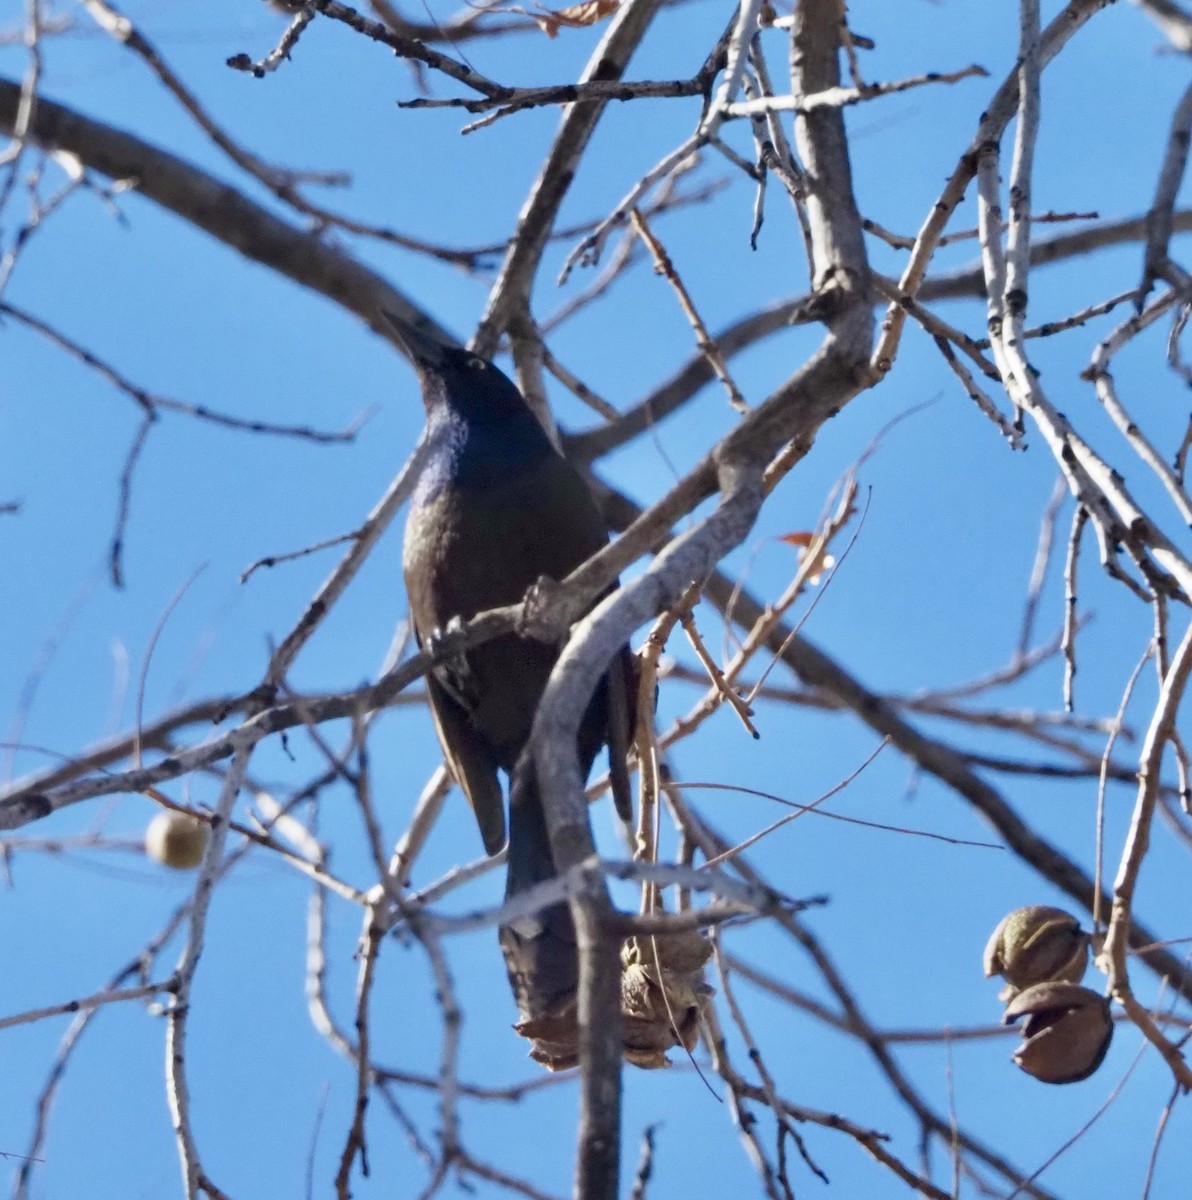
1042,953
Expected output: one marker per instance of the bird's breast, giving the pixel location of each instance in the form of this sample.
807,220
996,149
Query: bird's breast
468,550
478,539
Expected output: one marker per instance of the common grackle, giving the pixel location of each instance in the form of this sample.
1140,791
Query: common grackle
496,508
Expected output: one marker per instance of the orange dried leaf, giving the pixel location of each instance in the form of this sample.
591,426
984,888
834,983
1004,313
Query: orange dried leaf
823,561
802,538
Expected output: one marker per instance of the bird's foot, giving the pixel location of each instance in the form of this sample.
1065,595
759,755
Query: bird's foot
435,642
545,615
451,665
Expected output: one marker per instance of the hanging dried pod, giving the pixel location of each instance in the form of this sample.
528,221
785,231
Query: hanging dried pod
1037,944
663,995
1066,1032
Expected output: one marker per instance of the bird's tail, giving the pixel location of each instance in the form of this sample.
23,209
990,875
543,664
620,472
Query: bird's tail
540,951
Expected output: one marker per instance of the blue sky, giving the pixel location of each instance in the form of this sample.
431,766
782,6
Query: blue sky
929,596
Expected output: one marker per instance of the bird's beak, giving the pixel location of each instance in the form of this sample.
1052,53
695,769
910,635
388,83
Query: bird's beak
424,350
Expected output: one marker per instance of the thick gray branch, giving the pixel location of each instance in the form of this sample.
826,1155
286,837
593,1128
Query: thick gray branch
216,208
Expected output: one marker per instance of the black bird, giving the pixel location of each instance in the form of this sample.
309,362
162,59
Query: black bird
496,508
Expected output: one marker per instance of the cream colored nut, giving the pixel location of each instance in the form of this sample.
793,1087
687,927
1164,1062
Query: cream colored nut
176,840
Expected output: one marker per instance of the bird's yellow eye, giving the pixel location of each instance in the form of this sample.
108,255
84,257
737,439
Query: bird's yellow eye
478,363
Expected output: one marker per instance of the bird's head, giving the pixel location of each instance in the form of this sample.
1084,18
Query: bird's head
455,377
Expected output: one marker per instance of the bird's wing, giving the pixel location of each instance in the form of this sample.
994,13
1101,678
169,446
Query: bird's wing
470,763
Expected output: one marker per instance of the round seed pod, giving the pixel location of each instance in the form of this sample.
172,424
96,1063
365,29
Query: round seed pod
176,840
